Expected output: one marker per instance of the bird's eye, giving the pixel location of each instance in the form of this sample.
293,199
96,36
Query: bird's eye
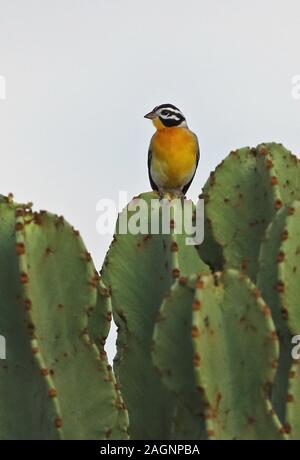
165,112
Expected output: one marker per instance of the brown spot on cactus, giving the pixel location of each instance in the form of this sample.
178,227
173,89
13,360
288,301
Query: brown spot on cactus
287,428
195,331
109,316
44,372
175,273
274,181
94,281
280,287
291,211
256,293
251,420
196,305
20,249
200,284
267,311
108,434
212,179
31,326
28,304
278,204
285,235
196,360
58,423
19,226
269,163
107,292
183,280
19,212
48,251
89,311
274,336
290,398
292,375
275,364
172,224
284,314
35,350
37,219
147,238
174,246
52,393
245,264
263,151
24,278
103,355
87,256
210,433
280,257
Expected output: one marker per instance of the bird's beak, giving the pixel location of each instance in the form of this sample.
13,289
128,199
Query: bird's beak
150,115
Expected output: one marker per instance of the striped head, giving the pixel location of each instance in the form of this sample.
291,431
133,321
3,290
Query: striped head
167,116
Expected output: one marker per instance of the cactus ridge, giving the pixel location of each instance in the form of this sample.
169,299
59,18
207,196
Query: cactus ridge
278,279
242,196
234,324
137,294
173,356
66,404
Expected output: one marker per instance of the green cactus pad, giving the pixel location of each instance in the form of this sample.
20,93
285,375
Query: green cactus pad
279,281
56,382
235,357
173,356
24,396
285,167
270,261
242,196
139,270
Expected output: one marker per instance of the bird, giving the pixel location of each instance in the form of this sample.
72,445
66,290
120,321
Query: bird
173,154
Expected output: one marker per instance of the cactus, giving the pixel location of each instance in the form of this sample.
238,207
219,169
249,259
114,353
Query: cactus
200,355
56,382
278,279
173,356
233,323
242,196
139,270
216,346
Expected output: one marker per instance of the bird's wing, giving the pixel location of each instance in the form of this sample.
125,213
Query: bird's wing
153,185
187,186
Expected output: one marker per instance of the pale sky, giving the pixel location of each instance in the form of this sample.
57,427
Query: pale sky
80,75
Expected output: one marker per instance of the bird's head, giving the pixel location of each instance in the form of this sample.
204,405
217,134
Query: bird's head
167,116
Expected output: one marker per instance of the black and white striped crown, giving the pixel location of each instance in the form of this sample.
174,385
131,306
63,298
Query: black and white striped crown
170,115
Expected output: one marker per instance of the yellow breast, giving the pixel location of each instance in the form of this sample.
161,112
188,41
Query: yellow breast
174,157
